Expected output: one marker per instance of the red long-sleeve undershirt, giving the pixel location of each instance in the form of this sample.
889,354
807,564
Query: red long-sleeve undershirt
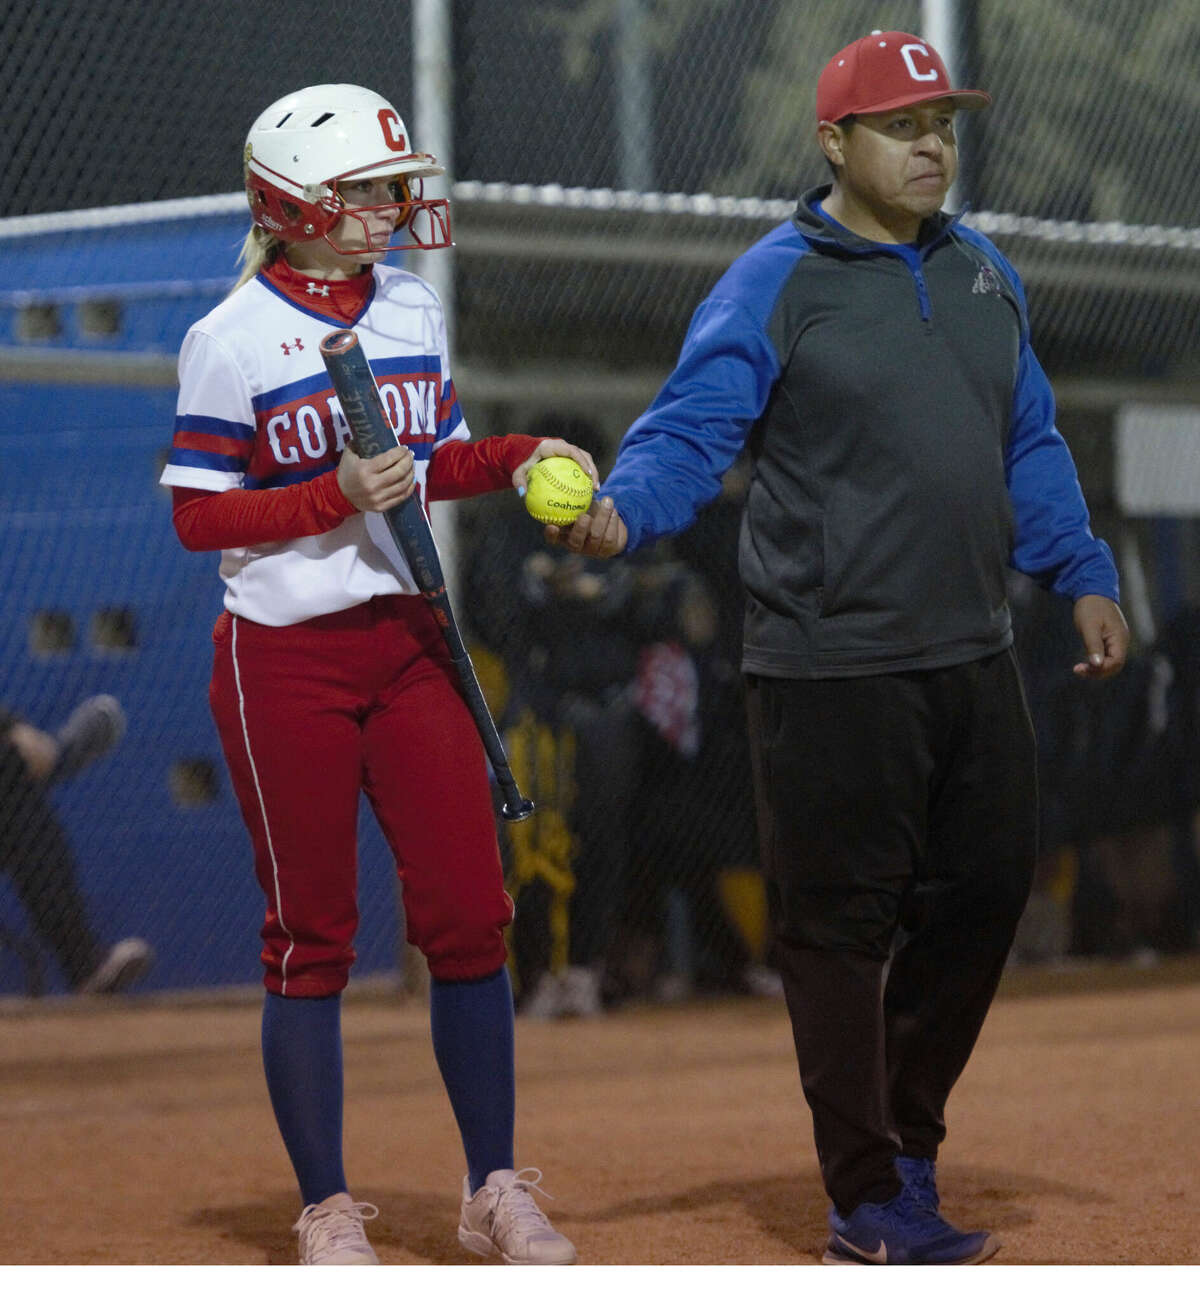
242,517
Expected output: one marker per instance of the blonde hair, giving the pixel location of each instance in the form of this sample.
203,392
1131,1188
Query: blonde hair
259,249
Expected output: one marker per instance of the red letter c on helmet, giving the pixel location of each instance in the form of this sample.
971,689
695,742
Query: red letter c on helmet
390,124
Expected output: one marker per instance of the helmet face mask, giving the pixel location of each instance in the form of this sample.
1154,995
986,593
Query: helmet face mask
303,147
423,223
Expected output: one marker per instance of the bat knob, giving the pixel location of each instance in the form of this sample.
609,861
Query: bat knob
340,341
517,813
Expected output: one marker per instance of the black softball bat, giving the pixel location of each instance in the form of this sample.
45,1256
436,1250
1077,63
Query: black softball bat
371,433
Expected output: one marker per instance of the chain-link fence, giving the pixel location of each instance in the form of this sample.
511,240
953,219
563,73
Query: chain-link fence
611,157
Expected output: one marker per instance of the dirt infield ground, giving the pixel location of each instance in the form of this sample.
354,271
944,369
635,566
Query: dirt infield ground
140,1133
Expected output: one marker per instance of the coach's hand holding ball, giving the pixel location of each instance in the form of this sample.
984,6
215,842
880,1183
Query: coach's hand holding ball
595,529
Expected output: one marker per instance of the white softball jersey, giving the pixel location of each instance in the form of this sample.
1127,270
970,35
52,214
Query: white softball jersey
257,411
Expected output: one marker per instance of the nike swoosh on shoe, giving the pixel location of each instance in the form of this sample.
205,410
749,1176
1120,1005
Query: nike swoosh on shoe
877,1258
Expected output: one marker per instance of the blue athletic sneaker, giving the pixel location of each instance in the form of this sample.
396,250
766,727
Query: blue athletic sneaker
902,1232
919,1176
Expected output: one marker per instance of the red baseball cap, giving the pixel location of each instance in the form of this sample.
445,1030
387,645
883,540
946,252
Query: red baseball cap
887,70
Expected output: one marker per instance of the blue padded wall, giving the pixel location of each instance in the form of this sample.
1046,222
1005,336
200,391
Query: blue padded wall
162,275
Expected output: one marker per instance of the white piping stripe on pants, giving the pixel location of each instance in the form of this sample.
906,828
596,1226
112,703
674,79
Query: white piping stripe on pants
262,808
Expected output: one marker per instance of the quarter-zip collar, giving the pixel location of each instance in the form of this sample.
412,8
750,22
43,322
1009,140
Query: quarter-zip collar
818,228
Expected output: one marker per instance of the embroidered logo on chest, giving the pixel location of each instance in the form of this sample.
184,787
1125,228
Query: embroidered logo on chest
986,282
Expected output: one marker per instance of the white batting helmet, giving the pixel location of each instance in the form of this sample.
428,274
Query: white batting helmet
303,145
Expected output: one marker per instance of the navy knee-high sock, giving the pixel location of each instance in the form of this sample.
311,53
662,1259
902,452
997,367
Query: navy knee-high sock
302,1058
472,1025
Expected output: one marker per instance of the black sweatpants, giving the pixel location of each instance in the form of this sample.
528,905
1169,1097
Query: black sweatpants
898,820
35,855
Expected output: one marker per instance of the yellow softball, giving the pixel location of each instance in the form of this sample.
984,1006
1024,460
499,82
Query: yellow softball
557,490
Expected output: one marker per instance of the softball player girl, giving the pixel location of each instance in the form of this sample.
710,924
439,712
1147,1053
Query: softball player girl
330,676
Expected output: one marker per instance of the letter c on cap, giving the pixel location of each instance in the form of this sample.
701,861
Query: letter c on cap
906,55
390,125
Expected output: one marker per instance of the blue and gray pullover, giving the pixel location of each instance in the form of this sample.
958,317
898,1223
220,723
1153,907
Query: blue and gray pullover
903,442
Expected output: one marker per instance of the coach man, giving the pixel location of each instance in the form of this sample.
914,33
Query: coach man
874,357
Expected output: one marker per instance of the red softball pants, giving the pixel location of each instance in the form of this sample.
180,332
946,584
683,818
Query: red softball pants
309,716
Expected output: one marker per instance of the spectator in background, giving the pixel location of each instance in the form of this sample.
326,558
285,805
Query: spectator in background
709,549
624,719
1132,733
565,630
693,819
1117,793
34,851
